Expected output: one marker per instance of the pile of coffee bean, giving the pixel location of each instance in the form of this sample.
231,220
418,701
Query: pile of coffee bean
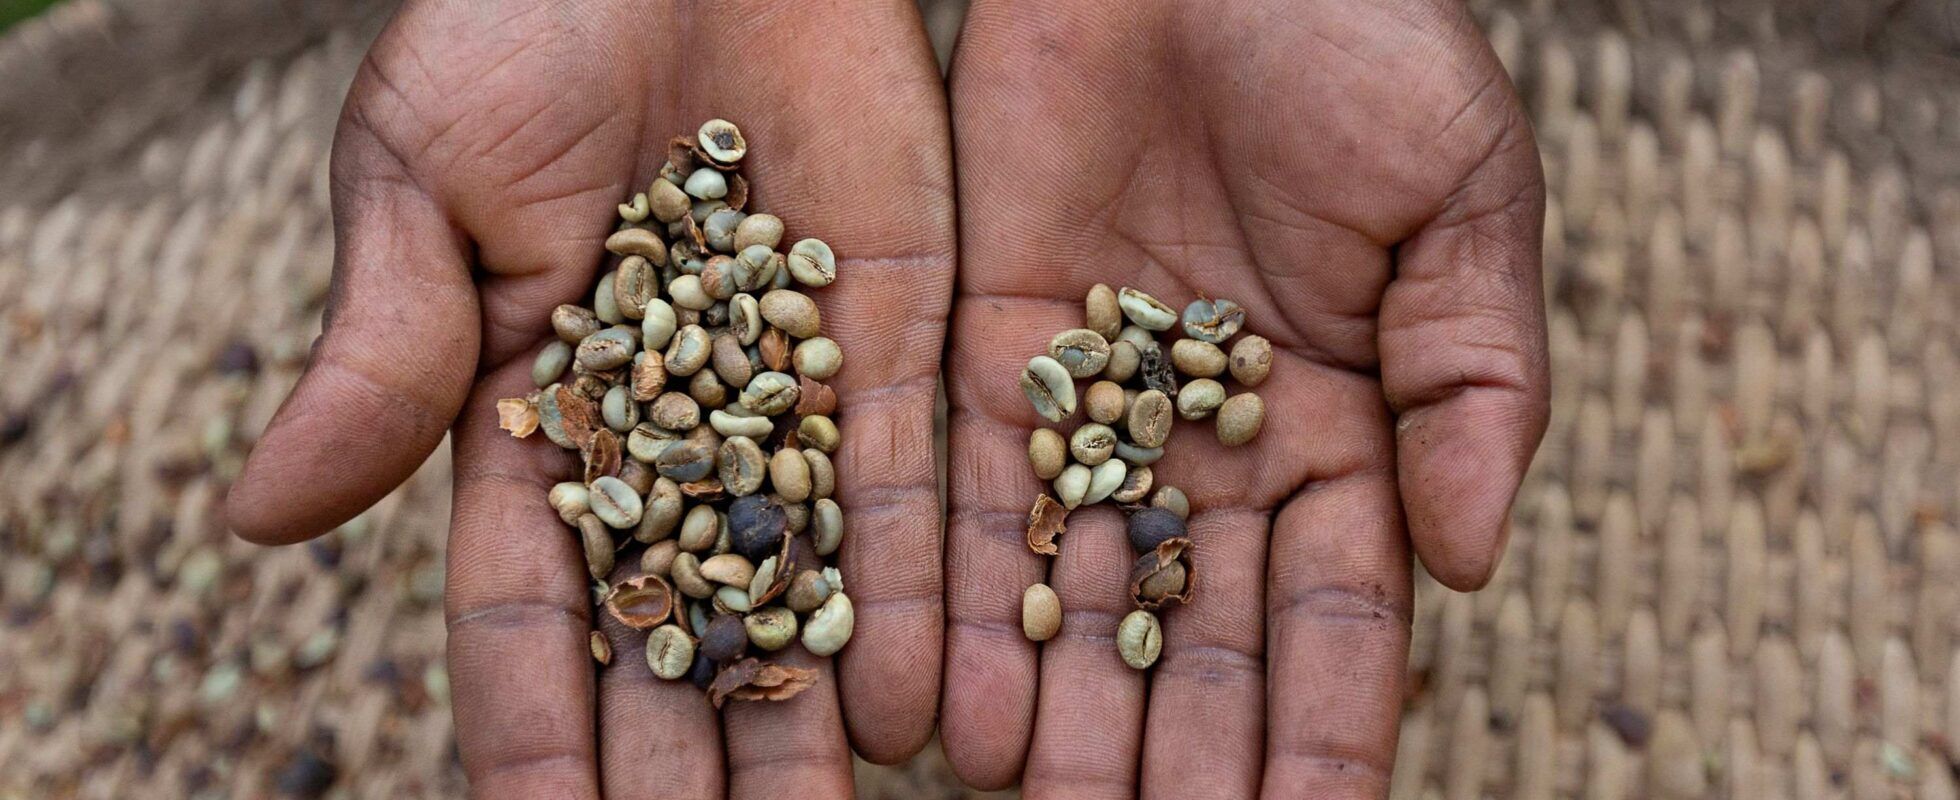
1137,392
692,389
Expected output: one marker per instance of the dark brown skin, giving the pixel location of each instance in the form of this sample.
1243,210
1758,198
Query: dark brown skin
1359,175
480,155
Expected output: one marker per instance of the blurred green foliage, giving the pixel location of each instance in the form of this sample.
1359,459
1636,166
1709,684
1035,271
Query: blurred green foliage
12,11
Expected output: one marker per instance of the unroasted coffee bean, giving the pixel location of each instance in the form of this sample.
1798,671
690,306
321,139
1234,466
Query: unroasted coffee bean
756,526
551,363
608,349
675,412
717,281
770,394
1149,527
666,202
1041,612
789,474
706,389
729,569
1172,499
1104,480
619,410
1104,402
823,474
1252,360
1139,639
1145,311
614,502
719,230
639,242
664,507
1092,444
1048,453
574,323
1082,352
792,311
765,230
1072,485
797,515
743,466
597,543
756,268
1162,583
811,263
721,142
685,572
1049,388
829,628
603,305
699,529
688,293
688,352
1240,419
633,473
730,361
728,423
1150,419
817,359
807,591
686,461
826,526
1124,360
658,559
820,432
1198,359
658,325
1136,485
1138,456
637,282
1101,313
705,184
725,638
1199,398
1212,321
772,628
571,500
670,652
744,319
636,210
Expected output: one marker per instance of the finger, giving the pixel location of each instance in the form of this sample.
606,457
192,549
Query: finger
1463,353
794,746
518,613
392,366
858,155
657,738
991,668
1089,722
1208,691
1338,606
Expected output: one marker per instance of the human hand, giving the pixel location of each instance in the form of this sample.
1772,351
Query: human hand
478,161
1360,176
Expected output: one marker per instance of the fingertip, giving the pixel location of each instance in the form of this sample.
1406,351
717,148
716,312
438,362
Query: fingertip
1461,462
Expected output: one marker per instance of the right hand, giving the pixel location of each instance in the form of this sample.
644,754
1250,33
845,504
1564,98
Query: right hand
479,158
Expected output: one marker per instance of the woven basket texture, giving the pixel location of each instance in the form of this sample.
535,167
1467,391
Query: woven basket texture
1735,571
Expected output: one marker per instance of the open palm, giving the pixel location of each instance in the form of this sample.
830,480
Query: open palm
479,158
1360,177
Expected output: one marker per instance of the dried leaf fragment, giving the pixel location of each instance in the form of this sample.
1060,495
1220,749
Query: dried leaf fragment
1164,575
749,679
518,415
641,602
1047,520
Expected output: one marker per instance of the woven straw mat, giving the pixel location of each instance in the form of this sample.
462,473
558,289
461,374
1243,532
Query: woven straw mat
1734,571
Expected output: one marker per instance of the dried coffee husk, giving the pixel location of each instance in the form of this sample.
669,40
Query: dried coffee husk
750,679
641,602
1047,520
519,415
816,398
1148,578
601,453
1157,370
774,346
578,414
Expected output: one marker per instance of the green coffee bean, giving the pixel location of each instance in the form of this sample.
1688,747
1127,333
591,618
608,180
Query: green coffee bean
830,626
1199,398
771,393
1145,310
1139,639
1049,388
614,502
811,263
551,363
1212,321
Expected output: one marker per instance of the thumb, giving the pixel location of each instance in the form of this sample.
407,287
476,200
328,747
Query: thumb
392,366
